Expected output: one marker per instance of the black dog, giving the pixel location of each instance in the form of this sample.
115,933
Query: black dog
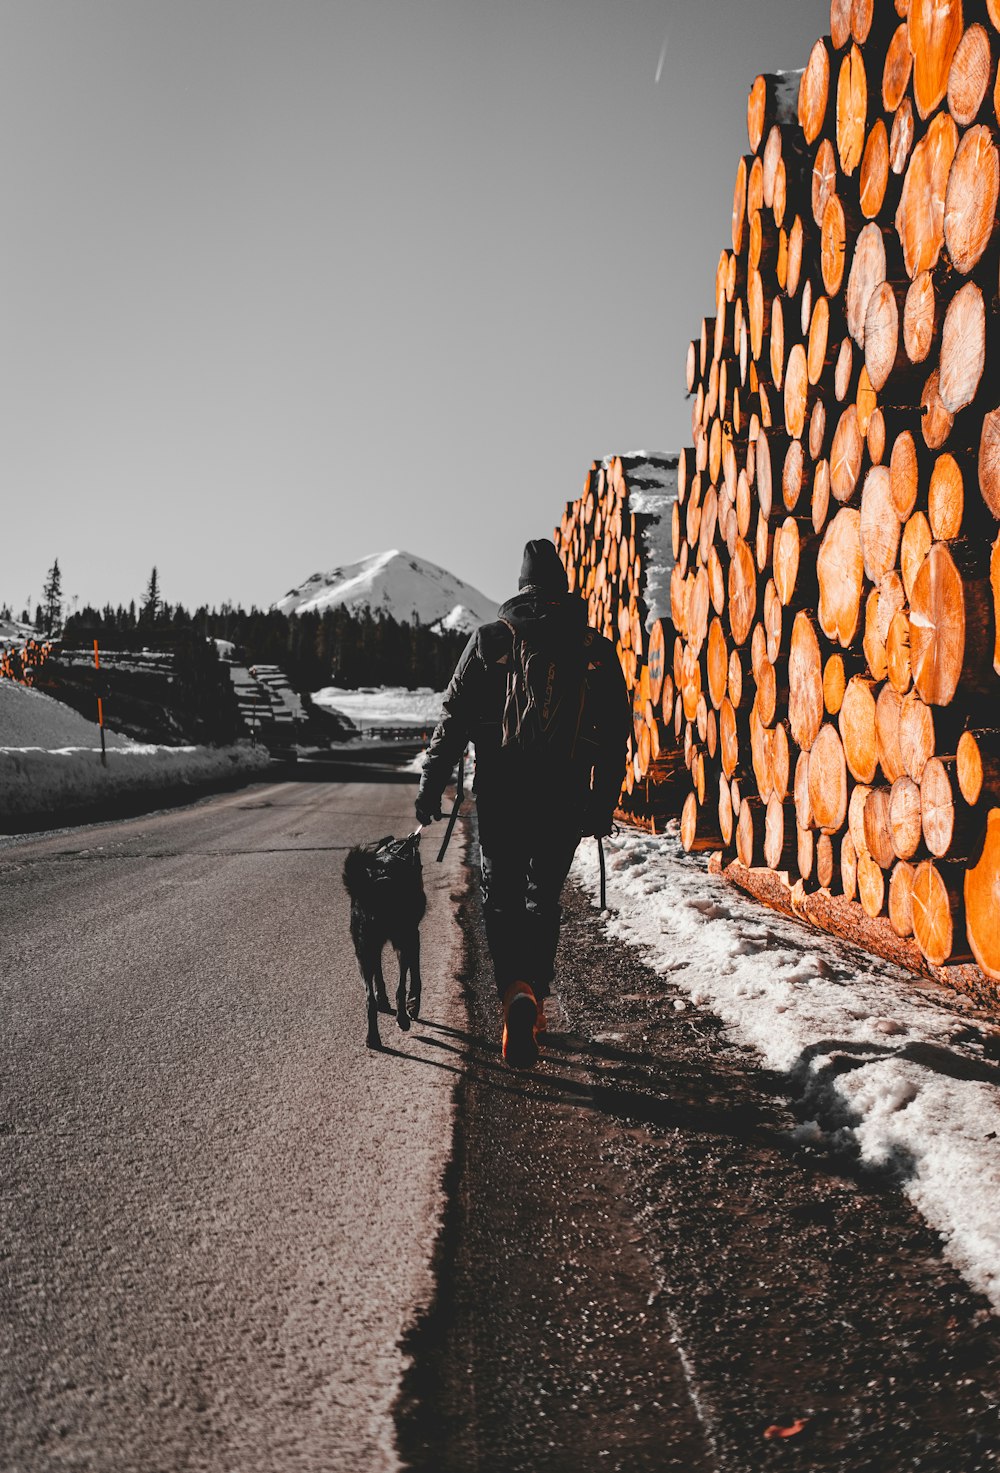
387,904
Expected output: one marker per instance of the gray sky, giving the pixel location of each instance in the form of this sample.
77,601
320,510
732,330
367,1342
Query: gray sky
287,283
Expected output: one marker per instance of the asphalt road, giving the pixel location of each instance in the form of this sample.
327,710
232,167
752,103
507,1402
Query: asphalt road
217,1208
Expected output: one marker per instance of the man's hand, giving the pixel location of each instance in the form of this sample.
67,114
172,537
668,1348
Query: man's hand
427,810
597,825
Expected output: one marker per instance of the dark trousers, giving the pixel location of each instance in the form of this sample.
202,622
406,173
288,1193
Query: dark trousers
524,867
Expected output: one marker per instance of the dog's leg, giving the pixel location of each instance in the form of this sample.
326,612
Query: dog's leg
373,1040
413,994
402,1016
381,995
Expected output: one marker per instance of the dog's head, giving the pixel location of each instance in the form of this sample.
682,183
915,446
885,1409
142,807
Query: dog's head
387,863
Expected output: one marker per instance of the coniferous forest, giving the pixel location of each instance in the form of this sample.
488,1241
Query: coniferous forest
315,650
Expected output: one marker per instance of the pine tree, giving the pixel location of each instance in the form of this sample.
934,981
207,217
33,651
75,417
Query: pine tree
52,595
151,599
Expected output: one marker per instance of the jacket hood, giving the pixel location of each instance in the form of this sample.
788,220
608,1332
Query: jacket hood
541,616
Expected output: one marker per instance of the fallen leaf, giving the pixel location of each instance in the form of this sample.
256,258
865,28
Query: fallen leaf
793,1431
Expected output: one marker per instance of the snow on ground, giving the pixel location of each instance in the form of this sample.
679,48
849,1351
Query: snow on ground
887,1066
390,705
50,759
30,718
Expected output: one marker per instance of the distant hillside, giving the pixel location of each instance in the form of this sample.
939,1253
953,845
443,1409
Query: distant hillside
408,588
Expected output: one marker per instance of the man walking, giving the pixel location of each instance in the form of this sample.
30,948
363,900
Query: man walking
543,698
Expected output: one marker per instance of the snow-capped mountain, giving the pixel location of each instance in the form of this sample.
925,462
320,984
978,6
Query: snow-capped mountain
397,583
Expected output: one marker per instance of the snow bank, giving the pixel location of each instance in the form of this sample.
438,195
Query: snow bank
390,705
890,1068
35,781
50,760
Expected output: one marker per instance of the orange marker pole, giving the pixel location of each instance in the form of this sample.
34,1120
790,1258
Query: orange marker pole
100,709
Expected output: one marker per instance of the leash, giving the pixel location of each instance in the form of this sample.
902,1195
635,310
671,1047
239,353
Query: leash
453,817
604,877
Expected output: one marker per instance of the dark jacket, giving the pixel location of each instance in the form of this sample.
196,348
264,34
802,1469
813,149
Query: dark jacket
581,791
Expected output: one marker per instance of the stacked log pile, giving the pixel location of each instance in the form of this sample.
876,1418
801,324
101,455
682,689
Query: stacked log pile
615,541
836,584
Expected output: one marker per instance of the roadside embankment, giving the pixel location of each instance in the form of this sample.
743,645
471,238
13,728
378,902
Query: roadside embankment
51,770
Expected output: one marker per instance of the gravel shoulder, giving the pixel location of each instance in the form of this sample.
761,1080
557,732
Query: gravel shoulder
644,1266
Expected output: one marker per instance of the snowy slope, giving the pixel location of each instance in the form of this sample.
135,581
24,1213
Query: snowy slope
397,583
50,761
13,632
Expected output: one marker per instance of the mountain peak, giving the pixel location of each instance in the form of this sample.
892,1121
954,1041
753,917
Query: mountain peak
397,583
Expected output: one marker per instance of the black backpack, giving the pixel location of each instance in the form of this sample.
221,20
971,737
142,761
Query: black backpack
545,698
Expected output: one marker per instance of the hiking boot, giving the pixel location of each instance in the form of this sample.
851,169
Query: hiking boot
520,1017
541,1023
